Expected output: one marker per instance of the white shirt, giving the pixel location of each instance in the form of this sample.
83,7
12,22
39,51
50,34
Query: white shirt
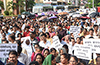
95,37
28,49
23,59
45,45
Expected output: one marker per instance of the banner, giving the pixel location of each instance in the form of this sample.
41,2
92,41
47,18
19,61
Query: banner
6,48
93,43
56,43
83,52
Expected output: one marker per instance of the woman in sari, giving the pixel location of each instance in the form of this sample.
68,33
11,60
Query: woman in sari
49,60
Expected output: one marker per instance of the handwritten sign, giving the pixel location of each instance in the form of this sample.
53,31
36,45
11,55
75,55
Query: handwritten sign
6,48
93,43
56,43
83,52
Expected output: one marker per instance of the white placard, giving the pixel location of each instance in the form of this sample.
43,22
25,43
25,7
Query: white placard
83,52
5,48
93,43
56,43
75,30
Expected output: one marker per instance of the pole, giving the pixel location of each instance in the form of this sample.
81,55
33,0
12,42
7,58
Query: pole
93,4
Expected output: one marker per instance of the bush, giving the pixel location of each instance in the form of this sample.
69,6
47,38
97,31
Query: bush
10,12
22,10
6,12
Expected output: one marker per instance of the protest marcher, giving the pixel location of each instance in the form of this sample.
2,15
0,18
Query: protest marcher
13,58
64,59
45,52
34,63
44,43
1,63
53,52
22,57
73,60
49,60
39,58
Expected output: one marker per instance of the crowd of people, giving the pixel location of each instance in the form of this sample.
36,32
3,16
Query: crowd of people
34,38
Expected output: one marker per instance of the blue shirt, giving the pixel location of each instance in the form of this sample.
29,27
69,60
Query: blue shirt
19,63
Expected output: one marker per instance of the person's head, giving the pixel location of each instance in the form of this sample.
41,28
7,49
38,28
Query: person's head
3,34
98,60
73,60
11,37
91,31
73,41
19,35
66,47
95,27
45,52
13,56
48,35
62,50
39,58
36,45
78,40
44,36
32,34
53,51
60,27
27,28
34,63
64,58
27,42
98,54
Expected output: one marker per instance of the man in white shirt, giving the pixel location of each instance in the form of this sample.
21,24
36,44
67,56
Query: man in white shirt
22,57
44,43
91,31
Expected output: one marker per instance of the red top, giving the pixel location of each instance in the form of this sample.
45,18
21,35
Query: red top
26,34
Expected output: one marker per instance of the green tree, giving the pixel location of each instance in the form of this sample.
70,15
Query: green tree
21,3
30,4
1,4
11,5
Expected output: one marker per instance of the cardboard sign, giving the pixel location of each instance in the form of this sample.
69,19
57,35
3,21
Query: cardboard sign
6,48
56,43
75,30
83,52
93,43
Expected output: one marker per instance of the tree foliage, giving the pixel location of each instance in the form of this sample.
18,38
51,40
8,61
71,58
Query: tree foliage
1,4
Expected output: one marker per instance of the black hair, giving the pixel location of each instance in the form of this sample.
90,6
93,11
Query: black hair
65,46
41,56
19,49
52,49
97,57
19,34
76,59
46,49
79,38
34,63
18,42
27,27
91,29
44,35
59,36
52,57
13,52
48,34
65,55
12,36
95,26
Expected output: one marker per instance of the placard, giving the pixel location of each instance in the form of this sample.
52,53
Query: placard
6,48
82,52
56,43
93,43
